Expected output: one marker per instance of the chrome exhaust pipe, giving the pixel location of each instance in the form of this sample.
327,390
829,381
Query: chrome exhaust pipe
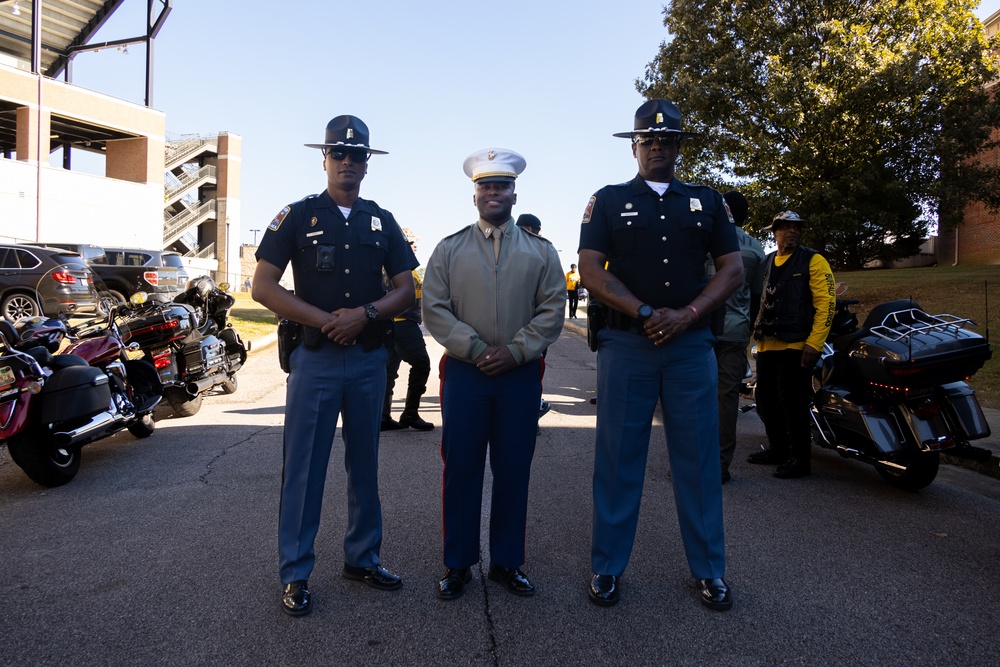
195,387
97,423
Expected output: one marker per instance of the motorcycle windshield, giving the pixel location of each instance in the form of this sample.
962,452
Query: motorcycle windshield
67,290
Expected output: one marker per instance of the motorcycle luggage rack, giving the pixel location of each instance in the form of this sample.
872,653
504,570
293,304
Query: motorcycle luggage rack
903,324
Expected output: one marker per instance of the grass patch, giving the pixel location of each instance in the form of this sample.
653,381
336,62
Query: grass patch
958,290
252,320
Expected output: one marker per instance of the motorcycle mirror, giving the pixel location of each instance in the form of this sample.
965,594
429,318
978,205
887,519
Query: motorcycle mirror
138,298
841,288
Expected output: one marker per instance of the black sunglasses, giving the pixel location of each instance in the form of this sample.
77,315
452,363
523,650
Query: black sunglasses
354,155
665,140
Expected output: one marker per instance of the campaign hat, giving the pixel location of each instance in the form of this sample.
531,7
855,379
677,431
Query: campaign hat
347,132
494,164
657,116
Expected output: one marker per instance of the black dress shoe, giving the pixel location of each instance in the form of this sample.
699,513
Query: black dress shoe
453,584
767,457
389,424
793,468
716,594
726,476
414,421
296,601
512,579
375,576
604,589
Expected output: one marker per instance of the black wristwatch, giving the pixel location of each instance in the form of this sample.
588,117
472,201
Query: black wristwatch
645,312
371,312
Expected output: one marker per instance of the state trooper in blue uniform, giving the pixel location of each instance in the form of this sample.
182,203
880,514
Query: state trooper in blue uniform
642,254
338,245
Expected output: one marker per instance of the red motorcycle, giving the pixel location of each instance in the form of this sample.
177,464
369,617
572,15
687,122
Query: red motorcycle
53,404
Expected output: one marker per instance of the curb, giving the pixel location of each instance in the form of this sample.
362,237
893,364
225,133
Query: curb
264,342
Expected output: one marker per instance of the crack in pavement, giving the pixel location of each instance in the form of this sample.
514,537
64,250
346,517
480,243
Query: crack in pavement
208,466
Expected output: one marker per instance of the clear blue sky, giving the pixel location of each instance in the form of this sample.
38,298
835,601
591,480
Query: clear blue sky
434,81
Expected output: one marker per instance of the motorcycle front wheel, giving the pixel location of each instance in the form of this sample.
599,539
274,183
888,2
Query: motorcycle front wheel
183,404
921,469
43,461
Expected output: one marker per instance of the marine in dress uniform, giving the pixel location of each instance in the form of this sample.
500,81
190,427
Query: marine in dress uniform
493,298
338,245
654,233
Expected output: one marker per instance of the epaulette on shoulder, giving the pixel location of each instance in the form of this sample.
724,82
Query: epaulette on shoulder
536,236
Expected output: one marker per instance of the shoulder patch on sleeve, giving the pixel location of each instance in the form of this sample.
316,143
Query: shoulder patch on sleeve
589,211
278,219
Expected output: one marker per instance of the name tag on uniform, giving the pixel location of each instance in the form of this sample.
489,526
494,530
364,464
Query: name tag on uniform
376,224
314,233
624,215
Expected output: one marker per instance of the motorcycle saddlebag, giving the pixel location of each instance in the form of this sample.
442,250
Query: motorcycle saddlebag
205,357
964,412
74,393
858,423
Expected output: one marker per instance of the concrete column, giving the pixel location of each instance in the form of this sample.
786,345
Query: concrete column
29,129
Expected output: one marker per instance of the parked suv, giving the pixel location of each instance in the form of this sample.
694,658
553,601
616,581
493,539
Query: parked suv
141,257
37,280
125,271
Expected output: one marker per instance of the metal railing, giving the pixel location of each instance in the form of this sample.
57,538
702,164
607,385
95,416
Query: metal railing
177,152
174,226
188,179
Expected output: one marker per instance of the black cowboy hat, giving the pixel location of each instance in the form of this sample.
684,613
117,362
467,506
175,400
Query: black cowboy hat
659,116
347,132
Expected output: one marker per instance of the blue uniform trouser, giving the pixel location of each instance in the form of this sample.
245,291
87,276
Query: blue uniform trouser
501,412
632,374
323,384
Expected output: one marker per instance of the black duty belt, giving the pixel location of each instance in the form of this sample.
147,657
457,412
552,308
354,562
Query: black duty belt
623,322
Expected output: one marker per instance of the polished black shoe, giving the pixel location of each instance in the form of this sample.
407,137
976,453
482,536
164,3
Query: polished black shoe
512,579
389,424
767,457
604,589
453,584
414,421
544,409
793,468
375,576
715,594
726,476
296,601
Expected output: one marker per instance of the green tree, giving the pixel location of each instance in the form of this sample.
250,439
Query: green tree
865,116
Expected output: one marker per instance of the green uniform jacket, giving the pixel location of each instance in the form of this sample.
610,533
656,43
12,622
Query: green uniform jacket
471,301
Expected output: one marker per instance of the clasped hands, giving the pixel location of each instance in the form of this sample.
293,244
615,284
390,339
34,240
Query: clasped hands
495,360
345,326
666,323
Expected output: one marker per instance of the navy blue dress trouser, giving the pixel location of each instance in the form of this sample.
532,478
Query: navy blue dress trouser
498,414
632,375
324,384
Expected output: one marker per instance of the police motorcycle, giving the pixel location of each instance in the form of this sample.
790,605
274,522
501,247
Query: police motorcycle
191,343
892,393
64,384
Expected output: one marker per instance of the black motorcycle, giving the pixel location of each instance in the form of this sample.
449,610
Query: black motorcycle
892,392
191,343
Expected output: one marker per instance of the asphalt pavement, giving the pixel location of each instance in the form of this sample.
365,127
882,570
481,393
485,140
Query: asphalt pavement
163,552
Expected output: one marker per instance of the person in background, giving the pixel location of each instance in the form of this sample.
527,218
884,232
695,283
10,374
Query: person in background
573,290
494,299
338,245
796,313
731,346
409,346
654,232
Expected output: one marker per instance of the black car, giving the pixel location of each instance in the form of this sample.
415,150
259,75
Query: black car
146,257
37,280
